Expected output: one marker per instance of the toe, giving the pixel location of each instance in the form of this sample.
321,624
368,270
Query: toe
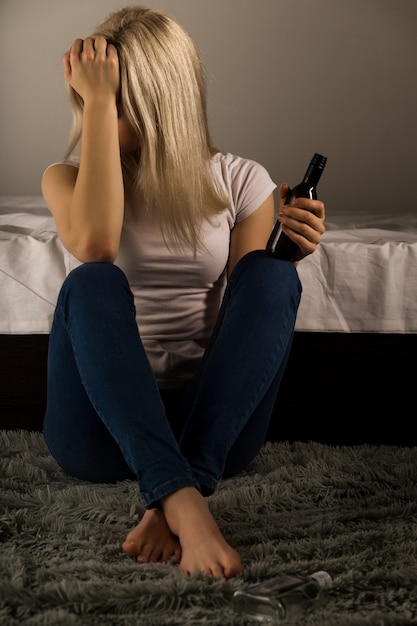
130,547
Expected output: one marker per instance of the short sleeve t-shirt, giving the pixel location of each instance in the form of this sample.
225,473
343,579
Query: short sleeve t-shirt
177,294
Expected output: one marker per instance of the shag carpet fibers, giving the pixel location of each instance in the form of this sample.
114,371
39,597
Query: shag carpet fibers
300,507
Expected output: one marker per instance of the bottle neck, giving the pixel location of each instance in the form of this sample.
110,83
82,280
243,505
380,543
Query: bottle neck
312,175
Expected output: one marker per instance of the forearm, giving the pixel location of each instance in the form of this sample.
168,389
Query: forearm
97,206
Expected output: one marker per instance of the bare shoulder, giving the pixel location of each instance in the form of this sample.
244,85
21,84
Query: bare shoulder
58,182
59,175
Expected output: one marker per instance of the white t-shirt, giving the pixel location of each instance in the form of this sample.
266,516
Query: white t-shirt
177,296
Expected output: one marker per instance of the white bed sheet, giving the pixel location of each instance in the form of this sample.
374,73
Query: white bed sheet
33,265
362,278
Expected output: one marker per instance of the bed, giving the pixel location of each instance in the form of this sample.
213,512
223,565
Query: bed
350,375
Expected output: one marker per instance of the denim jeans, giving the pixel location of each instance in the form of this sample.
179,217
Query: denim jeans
107,421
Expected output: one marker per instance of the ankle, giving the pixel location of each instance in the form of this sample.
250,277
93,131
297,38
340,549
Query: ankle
184,506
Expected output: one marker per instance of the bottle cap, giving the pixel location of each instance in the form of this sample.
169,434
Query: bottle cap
319,160
322,578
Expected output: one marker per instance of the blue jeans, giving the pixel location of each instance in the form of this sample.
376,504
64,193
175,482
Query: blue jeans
106,420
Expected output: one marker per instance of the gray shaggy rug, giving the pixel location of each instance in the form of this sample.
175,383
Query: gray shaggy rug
300,507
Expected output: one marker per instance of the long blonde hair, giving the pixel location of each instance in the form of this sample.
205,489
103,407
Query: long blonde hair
163,97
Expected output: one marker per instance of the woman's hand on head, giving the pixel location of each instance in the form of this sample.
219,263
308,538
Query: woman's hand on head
91,67
303,222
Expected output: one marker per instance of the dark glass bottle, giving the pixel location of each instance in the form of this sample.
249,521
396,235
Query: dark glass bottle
279,244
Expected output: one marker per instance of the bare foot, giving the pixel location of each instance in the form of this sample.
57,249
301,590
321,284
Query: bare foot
203,546
152,541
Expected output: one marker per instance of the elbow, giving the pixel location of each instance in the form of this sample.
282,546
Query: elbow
96,257
93,251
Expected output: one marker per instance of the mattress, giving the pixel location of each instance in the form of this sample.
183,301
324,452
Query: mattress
361,279
33,265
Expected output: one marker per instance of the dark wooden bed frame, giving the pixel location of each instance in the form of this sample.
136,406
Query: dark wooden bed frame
339,388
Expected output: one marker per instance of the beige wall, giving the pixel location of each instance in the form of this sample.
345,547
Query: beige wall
286,78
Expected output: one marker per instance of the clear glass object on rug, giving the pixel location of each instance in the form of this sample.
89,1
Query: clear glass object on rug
283,598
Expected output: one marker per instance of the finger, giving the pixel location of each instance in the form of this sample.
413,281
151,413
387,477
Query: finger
100,45
283,191
70,56
66,65
74,51
310,232
303,222
316,207
88,48
111,51
77,46
301,213
304,244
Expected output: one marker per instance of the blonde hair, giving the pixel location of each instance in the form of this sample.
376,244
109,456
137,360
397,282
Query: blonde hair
163,97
